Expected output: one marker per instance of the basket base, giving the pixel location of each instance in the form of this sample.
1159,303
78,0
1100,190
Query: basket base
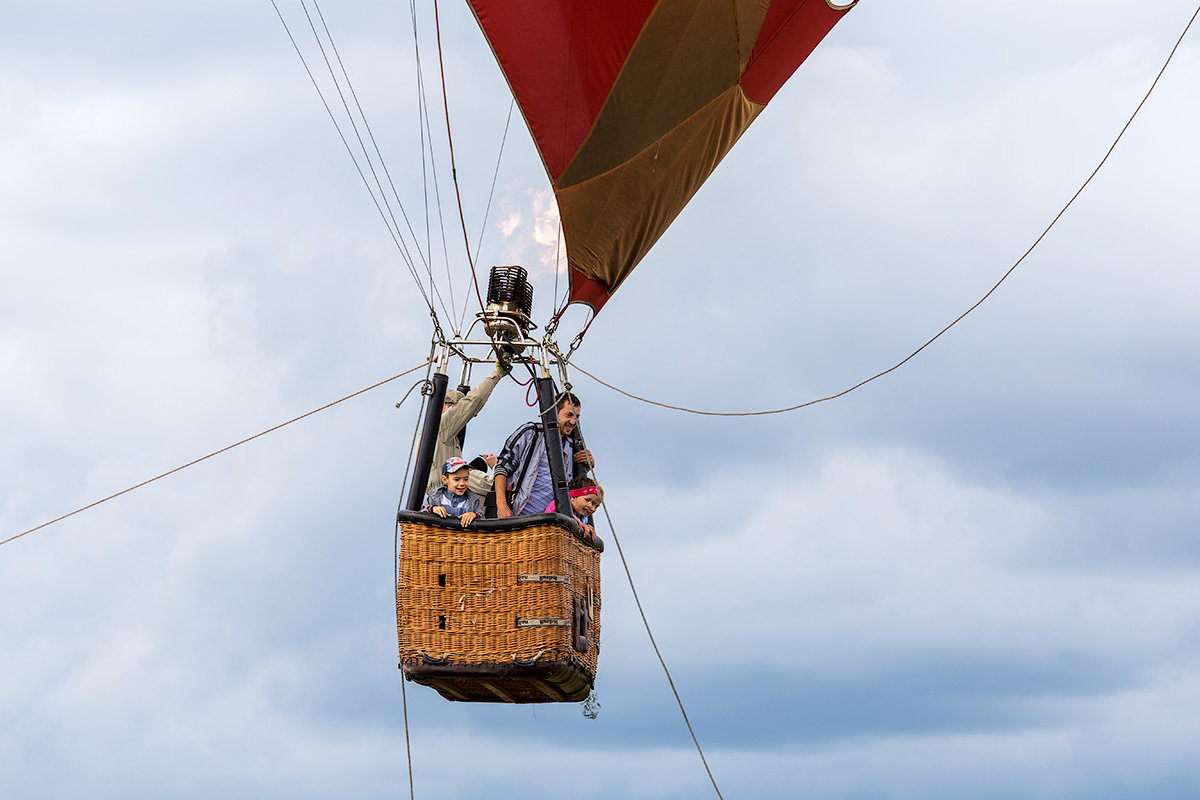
540,682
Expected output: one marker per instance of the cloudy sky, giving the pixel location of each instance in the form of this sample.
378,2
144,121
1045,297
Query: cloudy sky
974,577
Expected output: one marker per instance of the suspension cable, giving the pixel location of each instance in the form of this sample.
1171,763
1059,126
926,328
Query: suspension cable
491,193
425,259
453,167
487,210
366,125
425,134
397,238
557,265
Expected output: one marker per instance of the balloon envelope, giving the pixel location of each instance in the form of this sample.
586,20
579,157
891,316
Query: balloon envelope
633,103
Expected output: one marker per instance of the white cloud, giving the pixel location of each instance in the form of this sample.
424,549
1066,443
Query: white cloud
509,224
531,233
879,555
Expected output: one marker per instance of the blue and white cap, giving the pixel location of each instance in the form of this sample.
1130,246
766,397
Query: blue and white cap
453,465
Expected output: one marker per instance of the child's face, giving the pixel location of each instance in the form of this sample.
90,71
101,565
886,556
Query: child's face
457,482
586,504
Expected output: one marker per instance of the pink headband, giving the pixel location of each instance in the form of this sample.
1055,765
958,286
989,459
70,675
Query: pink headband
583,491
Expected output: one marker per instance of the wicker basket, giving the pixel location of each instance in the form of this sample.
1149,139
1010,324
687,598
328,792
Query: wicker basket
504,611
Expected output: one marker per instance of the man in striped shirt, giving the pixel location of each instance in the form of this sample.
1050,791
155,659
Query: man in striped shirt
523,464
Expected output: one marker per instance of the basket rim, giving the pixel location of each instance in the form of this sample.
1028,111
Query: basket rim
507,525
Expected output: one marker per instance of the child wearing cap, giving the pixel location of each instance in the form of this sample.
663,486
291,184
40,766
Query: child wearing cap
585,499
452,499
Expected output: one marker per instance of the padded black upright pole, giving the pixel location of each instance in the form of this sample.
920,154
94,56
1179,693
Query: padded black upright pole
429,432
577,468
554,454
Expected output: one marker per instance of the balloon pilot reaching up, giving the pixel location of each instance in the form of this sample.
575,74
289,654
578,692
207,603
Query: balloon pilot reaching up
452,499
523,481
457,410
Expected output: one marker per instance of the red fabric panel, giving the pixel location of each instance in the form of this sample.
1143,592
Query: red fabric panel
587,290
791,30
561,58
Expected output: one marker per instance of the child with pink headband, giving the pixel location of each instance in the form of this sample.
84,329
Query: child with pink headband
586,497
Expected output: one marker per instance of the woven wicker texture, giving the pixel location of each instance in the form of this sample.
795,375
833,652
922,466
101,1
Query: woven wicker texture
458,596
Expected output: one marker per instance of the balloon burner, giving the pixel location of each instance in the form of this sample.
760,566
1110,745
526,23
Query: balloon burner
509,303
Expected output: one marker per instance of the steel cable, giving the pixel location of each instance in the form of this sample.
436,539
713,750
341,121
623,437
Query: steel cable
193,462
961,316
646,623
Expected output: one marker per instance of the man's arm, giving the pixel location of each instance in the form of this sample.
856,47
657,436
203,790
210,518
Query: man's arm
502,508
510,461
455,419
515,448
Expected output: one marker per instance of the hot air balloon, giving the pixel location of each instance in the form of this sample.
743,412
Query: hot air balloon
632,105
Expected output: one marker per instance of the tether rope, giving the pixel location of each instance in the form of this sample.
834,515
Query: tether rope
407,746
961,316
559,397
646,623
210,455
412,446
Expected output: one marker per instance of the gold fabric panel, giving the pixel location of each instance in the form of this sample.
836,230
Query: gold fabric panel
612,220
750,16
670,74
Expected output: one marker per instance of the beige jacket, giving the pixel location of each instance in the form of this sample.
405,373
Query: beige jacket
453,421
